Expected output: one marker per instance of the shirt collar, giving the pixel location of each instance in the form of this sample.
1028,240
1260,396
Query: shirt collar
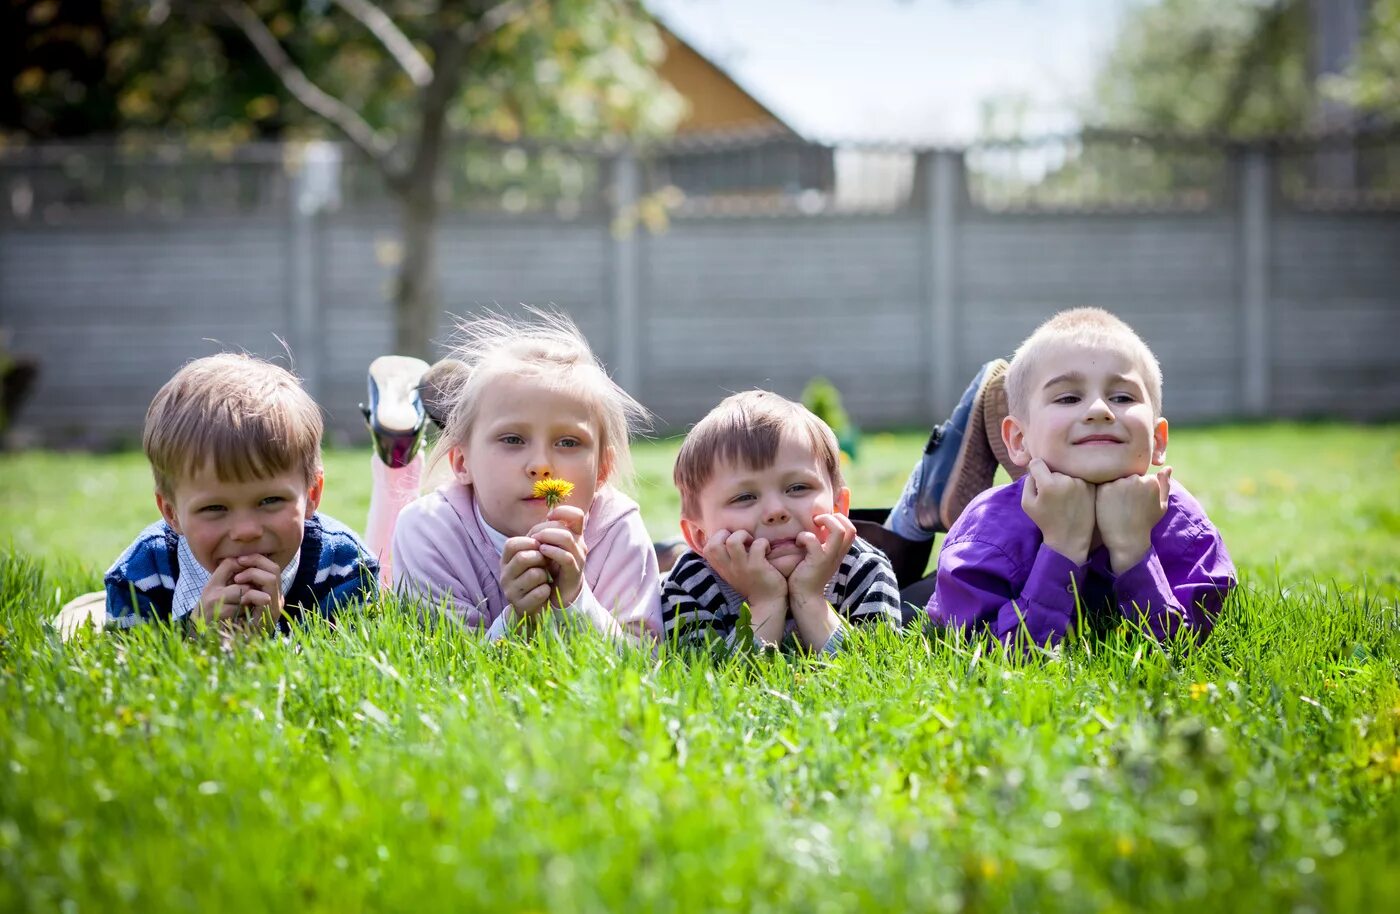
498,539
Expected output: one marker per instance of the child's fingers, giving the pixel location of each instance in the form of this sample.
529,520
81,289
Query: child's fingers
518,546
223,573
258,560
259,578
570,516
255,597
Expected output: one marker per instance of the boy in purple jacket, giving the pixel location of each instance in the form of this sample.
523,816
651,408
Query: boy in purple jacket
1088,530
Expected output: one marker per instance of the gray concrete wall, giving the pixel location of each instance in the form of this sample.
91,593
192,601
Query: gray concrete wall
1303,305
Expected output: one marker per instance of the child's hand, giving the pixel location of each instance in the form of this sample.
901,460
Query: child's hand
743,562
560,541
524,579
825,549
1127,510
221,598
262,596
1062,507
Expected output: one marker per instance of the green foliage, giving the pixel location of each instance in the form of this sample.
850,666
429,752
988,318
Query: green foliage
1192,66
824,400
567,68
1374,81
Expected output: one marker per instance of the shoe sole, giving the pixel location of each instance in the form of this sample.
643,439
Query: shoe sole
975,467
995,408
396,379
439,386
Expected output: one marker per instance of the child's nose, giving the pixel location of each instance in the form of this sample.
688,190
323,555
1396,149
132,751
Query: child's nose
539,469
1099,409
775,514
246,528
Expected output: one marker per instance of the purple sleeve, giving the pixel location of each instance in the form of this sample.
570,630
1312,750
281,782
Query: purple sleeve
979,587
1183,586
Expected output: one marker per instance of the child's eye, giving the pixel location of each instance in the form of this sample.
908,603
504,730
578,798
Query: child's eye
569,442
1067,398
511,439
211,509
272,500
741,497
798,488
1123,398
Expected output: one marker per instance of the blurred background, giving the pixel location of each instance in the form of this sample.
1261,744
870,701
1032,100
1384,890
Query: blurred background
722,194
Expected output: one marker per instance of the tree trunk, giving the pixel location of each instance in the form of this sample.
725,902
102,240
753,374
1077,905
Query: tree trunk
416,288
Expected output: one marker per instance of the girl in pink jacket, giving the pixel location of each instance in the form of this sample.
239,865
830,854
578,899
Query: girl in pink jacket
530,405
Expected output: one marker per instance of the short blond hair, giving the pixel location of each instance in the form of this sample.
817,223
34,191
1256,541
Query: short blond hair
746,429
548,348
1083,327
244,416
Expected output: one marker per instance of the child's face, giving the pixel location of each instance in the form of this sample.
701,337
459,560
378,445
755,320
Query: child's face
229,519
1088,416
774,503
525,431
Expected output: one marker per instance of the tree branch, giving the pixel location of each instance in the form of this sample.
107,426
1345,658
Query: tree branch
316,99
394,40
494,19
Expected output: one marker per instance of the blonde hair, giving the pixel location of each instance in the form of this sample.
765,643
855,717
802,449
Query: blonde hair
246,417
746,429
1082,327
548,348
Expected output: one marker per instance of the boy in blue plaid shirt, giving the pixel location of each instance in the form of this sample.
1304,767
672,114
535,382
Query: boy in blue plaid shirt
235,447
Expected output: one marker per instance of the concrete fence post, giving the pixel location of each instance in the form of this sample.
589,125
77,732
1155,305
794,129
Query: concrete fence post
315,187
1255,170
943,193
626,312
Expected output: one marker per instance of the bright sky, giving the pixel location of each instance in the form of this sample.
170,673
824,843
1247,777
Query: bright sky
902,69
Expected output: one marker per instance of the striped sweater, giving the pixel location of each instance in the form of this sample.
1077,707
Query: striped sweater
335,569
698,606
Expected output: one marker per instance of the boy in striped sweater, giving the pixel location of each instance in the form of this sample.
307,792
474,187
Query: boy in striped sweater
764,512
235,447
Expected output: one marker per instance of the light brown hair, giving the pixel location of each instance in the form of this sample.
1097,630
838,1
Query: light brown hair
244,416
746,429
1083,327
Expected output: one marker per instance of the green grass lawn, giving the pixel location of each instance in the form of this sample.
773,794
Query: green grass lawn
383,766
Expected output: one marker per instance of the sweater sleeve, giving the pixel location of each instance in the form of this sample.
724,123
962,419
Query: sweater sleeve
1186,589
622,592
140,584
979,587
423,571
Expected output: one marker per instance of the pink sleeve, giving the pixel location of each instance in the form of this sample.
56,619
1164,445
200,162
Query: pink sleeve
622,573
422,571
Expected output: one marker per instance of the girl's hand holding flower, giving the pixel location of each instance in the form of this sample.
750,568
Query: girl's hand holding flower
560,540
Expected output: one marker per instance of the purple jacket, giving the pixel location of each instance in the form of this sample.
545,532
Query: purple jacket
994,570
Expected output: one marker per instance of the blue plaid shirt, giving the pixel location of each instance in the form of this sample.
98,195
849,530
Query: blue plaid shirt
334,569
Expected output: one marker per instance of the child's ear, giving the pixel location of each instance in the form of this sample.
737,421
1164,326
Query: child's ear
457,457
313,494
694,536
167,511
1159,442
1013,435
842,503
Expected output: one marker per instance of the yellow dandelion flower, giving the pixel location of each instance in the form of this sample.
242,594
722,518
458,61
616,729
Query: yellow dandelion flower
1199,690
553,491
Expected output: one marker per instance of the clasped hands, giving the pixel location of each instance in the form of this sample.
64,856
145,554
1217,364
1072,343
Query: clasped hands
544,567
743,561
1070,511
243,592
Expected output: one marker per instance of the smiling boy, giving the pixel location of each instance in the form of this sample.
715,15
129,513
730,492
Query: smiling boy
234,444
1088,527
764,512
